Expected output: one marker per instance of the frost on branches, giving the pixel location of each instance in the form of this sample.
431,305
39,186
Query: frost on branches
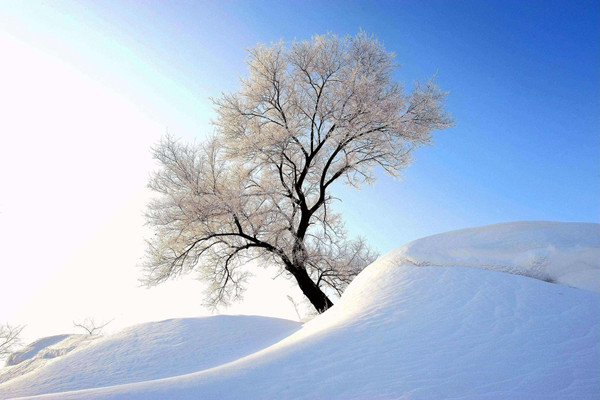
10,339
307,115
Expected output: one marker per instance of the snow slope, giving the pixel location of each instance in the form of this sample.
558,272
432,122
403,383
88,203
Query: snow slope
154,350
560,252
400,331
40,352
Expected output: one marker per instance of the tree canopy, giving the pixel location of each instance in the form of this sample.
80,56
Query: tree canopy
308,114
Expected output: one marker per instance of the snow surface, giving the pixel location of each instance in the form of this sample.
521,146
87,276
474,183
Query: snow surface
154,350
404,329
40,352
560,252
34,349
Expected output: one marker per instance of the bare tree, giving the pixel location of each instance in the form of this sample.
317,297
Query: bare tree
309,114
9,339
91,326
291,299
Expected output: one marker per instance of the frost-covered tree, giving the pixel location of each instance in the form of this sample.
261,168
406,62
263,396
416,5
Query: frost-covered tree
308,114
90,326
10,339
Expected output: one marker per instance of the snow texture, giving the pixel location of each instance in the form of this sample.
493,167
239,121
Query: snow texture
400,331
34,349
40,352
560,252
154,350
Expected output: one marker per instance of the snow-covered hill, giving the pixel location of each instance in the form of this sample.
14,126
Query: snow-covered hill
419,323
560,252
145,352
40,352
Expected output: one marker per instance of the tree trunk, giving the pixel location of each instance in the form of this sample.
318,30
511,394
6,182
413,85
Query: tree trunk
297,267
310,289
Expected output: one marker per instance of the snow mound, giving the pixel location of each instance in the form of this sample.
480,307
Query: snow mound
560,252
152,351
400,331
40,352
34,349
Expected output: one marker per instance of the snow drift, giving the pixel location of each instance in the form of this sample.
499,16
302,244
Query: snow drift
560,252
401,330
152,351
38,353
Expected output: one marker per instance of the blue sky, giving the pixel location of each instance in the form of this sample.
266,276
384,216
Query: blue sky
522,76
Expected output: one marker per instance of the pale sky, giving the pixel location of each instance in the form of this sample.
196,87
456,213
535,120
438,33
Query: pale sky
75,162
86,88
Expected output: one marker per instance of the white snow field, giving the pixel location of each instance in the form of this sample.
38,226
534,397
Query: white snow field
150,351
38,353
419,323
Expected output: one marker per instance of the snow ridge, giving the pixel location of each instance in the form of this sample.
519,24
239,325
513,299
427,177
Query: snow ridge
559,252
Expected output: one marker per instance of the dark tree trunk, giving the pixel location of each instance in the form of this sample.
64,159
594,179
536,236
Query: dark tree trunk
310,289
296,266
